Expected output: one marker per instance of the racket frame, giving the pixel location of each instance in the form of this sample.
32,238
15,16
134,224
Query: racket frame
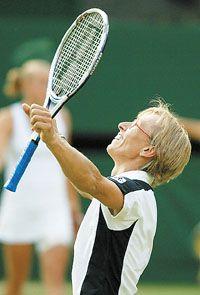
52,101
51,97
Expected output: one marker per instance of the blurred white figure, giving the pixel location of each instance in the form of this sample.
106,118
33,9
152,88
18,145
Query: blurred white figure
45,209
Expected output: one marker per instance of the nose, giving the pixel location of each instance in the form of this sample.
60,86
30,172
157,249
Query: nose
123,126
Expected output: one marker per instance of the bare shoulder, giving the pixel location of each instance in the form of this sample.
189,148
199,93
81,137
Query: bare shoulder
6,119
5,134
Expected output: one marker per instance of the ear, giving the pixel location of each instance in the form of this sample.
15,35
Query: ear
148,151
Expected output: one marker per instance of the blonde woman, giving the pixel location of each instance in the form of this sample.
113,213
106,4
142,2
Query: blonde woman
45,207
115,239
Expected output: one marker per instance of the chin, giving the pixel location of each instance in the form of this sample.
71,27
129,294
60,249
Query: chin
110,150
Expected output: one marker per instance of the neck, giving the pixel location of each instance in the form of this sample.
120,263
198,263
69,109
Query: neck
118,169
129,165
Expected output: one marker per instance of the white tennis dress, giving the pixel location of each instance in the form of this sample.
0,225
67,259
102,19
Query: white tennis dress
39,212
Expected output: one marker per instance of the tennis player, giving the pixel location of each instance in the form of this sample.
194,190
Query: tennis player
115,239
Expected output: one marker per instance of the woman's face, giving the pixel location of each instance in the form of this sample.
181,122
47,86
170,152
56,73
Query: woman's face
34,85
132,137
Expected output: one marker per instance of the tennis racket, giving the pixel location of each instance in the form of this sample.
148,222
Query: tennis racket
74,62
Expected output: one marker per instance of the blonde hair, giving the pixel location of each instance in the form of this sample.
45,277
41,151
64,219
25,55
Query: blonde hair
12,87
171,142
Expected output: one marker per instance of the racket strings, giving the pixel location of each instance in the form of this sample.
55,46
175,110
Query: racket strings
77,54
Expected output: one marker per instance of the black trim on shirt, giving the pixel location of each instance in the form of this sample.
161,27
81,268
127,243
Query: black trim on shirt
127,185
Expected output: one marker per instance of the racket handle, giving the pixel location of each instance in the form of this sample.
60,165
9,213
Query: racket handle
12,183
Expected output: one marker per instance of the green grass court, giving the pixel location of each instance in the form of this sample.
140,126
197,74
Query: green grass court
35,288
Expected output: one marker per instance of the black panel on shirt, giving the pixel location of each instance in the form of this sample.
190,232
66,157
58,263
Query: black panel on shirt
127,185
104,271
103,276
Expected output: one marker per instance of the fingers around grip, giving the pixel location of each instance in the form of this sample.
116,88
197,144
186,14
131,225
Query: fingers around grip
39,114
39,110
40,123
40,118
41,126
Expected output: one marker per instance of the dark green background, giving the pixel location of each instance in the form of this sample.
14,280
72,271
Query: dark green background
140,61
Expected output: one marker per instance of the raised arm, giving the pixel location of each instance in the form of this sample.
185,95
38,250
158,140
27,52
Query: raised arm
79,169
75,204
5,133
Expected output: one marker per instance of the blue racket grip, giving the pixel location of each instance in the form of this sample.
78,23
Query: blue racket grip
12,183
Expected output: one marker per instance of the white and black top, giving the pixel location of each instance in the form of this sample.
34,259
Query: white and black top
111,252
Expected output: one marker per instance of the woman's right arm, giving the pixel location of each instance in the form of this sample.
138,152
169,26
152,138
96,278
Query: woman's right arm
5,133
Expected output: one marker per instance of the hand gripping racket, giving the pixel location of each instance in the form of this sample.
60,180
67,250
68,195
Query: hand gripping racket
74,62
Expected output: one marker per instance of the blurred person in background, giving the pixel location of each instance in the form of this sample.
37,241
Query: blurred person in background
45,210
192,125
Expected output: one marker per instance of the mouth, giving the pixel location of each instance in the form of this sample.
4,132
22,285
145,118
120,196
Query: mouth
118,136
